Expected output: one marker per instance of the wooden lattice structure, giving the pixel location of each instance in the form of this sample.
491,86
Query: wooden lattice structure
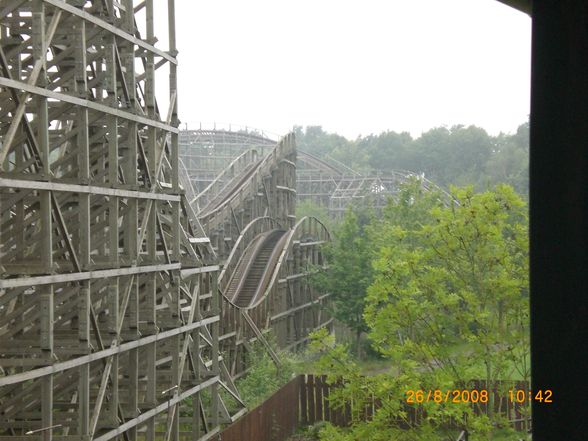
206,153
265,284
114,318
109,308
334,186
213,157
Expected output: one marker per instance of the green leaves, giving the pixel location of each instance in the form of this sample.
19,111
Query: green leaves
461,279
263,377
448,303
350,272
455,155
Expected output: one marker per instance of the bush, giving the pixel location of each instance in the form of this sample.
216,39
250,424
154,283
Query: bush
263,377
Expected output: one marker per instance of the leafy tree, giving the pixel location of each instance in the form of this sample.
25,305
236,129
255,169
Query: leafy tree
509,162
350,272
457,155
453,156
448,304
409,210
318,142
389,150
463,281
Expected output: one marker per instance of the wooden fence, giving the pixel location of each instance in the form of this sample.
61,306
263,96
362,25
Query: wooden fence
274,420
305,401
315,406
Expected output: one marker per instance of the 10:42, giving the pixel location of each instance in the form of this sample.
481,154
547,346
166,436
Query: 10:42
521,396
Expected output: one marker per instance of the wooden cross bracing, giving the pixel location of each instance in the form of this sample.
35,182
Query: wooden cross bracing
98,244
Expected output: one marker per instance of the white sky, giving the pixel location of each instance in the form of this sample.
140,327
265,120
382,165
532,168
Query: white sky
353,67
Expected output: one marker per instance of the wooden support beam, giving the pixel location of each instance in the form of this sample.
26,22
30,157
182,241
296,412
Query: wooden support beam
59,367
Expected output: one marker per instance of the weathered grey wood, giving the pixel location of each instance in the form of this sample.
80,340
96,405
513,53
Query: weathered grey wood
87,275
86,189
133,301
58,367
156,410
106,26
85,104
42,45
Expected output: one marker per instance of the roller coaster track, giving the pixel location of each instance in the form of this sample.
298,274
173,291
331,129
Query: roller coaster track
335,169
228,191
116,321
207,153
266,278
325,181
258,261
218,184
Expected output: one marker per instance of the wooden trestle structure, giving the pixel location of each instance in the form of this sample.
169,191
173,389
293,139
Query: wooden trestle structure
334,186
258,201
206,153
113,322
324,181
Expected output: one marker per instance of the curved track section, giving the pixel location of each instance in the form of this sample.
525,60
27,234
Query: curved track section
228,191
209,153
308,161
266,286
223,179
257,264
334,186
324,181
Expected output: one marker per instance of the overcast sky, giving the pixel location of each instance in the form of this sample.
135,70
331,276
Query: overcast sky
353,67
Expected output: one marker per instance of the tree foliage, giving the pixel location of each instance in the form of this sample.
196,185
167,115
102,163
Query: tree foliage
350,271
448,303
459,155
456,296
263,377
309,208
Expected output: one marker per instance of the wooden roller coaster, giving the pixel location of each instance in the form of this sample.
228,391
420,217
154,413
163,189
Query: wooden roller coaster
127,298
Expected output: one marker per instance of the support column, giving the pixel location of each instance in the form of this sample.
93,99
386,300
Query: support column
84,370
151,153
47,319
195,349
215,306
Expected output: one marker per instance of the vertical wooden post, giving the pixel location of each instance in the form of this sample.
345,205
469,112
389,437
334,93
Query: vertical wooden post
47,319
84,370
215,307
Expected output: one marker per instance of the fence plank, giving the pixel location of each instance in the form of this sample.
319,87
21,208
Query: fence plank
347,417
310,396
273,420
326,406
318,383
303,401
337,411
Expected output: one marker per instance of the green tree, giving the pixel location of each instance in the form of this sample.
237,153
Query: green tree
448,304
409,211
453,156
315,140
509,162
389,150
350,272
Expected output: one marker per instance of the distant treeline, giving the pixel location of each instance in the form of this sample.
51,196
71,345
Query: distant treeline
458,155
